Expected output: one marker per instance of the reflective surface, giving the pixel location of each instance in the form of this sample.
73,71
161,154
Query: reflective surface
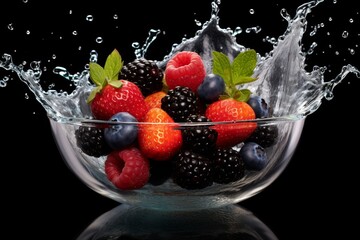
129,222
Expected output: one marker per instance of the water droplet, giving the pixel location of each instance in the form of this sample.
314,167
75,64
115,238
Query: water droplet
351,20
115,16
10,26
99,39
237,31
93,56
75,33
251,11
330,19
70,12
345,34
27,32
25,1
197,22
26,96
89,18
53,56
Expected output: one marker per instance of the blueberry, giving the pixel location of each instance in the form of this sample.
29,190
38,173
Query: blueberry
211,88
259,106
120,135
254,156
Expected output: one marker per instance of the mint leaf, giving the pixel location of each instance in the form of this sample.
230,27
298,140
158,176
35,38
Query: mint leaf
243,67
222,67
97,74
93,94
115,83
113,65
242,95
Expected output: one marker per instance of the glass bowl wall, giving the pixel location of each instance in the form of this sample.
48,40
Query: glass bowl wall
169,196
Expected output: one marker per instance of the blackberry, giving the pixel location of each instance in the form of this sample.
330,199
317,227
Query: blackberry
265,135
180,102
202,139
145,74
228,166
91,141
192,170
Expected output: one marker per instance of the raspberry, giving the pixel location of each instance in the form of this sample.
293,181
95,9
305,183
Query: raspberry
192,170
127,169
185,69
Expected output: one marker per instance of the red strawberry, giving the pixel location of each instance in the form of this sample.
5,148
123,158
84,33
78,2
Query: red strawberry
112,95
126,98
154,99
231,110
159,141
127,169
185,69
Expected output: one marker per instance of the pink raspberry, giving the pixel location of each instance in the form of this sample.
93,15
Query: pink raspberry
127,169
185,69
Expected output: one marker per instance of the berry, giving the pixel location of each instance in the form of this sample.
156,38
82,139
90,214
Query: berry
228,166
91,141
231,110
180,103
259,105
112,95
185,69
111,100
145,74
127,169
154,99
192,170
211,88
159,141
254,156
119,136
265,135
202,139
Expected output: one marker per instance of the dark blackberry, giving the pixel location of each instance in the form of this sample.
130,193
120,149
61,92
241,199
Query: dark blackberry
201,139
145,74
228,166
91,141
192,170
265,135
180,102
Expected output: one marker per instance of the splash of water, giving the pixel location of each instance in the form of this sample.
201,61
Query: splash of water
282,79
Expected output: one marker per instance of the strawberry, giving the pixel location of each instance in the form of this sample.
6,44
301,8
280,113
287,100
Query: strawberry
154,99
127,169
232,105
185,69
159,141
112,95
231,109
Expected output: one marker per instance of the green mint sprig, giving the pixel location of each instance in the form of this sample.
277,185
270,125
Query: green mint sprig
238,72
108,74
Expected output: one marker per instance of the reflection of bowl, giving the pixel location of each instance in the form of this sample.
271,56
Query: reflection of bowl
130,222
168,195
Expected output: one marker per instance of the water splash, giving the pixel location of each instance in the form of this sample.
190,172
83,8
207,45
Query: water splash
282,79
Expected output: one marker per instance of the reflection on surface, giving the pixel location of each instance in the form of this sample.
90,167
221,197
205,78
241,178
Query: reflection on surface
130,222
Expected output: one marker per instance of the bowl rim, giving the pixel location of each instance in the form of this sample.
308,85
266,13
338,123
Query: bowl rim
96,122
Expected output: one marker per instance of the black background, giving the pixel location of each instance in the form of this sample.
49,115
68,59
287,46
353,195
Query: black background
314,198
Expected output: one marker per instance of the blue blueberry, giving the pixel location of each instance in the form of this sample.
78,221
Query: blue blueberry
211,88
118,136
254,156
259,105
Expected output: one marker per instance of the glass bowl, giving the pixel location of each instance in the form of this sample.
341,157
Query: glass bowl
161,191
